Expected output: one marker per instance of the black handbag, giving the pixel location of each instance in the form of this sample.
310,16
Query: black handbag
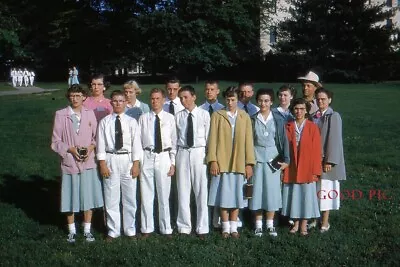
248,189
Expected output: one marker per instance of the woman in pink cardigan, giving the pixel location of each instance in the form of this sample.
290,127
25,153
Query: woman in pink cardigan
74,140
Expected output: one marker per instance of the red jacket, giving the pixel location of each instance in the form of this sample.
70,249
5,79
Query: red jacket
307,162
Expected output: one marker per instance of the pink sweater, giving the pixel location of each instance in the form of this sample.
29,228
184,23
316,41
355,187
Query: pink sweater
64,137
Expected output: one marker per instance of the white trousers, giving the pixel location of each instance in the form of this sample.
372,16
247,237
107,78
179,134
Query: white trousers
191,172
26,80
14,81
119,185
31,79
154,179
19,80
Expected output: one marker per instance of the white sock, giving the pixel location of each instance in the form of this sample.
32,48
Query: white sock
234,225
270,223
86,227
226,228
71,228
258,224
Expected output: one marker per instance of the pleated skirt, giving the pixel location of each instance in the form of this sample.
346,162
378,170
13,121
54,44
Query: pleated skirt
81,192
226,191
266,189
299,201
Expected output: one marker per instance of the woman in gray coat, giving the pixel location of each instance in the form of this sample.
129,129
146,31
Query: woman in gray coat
333,165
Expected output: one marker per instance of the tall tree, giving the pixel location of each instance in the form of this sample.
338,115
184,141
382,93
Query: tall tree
10,27
338,35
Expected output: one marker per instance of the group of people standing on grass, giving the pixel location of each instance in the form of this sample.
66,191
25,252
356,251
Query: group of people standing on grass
73,74
289,153
22,77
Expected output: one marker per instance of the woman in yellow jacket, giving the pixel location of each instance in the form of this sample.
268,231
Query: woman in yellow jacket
231,159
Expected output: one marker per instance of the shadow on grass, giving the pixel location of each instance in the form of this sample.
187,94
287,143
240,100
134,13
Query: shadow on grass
40,198
37,197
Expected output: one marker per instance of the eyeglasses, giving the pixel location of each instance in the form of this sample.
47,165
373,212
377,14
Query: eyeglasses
117,101
75,96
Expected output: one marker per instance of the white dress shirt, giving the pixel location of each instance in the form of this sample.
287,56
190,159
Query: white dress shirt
201,127
168,131
130,136
216,106
177,105
252,109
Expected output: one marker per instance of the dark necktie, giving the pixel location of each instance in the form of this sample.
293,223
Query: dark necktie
118,133
245,109
210,110
171,108
189,132
157,136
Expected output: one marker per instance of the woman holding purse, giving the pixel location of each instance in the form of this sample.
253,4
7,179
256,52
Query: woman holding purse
272,156
231,159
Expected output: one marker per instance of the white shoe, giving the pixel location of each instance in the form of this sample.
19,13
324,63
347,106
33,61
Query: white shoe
272,232
325,229
258,232
89,237
71,238
312,225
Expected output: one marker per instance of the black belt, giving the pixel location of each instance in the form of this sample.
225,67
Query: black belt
118,152
153,151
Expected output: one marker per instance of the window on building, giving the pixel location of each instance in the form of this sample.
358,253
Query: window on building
389,23
272,35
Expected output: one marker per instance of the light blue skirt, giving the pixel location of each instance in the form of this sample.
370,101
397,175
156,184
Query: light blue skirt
226,190
300,201
266,189
81,192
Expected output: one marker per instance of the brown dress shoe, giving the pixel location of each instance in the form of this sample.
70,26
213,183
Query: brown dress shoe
235,235
202,236
109,239
169,236
145,235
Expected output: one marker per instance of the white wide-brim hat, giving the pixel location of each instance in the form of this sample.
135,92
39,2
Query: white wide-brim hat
311,77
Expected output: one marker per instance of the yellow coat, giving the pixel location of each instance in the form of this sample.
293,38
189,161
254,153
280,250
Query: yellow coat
231,159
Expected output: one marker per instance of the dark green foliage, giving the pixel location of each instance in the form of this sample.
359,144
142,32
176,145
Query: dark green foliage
349,40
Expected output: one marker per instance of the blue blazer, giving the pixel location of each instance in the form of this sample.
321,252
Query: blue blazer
281,140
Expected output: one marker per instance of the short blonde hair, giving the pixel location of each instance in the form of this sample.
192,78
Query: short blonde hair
133,84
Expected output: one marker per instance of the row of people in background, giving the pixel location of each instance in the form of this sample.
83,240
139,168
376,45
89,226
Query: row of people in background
173,136
73,76
22,77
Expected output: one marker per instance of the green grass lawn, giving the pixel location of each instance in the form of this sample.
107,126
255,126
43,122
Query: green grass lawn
6,86
364,231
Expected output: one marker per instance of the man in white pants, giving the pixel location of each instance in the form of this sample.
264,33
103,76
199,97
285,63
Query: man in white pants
32,78
20,76
118,152
158,137
14,77
193,125
211,91
26,75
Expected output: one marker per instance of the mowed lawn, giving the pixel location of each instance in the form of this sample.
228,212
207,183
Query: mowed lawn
365,231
